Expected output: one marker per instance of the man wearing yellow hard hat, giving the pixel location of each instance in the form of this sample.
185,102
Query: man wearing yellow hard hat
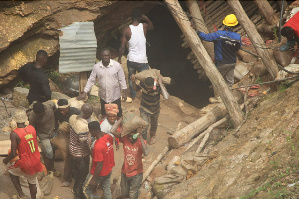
226,45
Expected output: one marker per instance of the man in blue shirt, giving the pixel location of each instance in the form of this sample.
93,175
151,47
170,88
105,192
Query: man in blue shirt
226,45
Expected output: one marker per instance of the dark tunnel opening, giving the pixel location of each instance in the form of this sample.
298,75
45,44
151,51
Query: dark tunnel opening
166,54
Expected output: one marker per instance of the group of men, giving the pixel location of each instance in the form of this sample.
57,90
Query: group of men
90,137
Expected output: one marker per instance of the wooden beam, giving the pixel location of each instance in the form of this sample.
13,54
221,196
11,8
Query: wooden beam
200,24
255,37
266,11
210,69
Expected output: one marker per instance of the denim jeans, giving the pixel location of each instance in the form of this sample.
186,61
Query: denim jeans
134,67
130,185
151,119
105,184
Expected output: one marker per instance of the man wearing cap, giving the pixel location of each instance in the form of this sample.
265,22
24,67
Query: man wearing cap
102,164
111,111
80,142
43,120
226,45
134,147
24,144
62,115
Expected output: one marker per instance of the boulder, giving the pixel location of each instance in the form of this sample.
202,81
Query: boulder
258,69
20,97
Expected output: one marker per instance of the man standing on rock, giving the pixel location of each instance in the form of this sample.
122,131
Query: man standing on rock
80,142
135,35
24,144
34,74
42,118
226,45
111,81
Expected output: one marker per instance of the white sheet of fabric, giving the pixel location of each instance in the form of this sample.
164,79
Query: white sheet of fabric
137,44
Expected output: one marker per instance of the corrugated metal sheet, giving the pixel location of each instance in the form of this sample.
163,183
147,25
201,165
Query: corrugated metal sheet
78,46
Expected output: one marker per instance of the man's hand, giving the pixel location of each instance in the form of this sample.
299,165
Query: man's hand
5,160
92,182
120,59
124,95
194,26
132,77
82,96
144,17
160,79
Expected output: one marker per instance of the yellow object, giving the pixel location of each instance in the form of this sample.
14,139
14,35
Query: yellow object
230,20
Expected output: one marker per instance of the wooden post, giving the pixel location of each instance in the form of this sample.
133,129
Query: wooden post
199,22
82,81
203,58
255,38
266,11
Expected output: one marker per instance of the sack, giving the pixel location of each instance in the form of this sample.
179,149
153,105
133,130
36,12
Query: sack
61,142
179,170
141,76
283,58
162,185
132,122
46,184
192,161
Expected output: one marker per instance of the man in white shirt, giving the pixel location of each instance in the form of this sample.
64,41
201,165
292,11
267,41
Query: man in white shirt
111,79
135,35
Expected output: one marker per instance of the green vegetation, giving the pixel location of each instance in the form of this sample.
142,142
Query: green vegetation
21,84
93,98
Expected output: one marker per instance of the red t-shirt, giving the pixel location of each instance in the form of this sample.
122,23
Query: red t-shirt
117,141
30,161
103,152
133,164
293,23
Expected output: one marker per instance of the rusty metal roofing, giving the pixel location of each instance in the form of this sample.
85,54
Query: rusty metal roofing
78,46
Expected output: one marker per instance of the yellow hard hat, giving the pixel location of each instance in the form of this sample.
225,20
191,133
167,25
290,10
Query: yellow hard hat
230,20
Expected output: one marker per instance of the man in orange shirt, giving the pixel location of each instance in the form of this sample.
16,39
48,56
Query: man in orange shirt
23,139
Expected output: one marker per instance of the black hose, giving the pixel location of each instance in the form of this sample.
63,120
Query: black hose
282,68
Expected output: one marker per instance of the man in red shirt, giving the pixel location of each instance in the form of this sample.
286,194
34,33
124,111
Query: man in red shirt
132,171
290,30
23,139
102,164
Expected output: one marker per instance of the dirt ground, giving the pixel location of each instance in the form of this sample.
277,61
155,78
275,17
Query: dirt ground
169,118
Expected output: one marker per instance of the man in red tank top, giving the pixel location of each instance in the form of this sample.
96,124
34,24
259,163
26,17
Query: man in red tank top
23,139
290,30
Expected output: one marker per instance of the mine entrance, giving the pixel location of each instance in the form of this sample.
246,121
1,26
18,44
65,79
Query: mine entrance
166,54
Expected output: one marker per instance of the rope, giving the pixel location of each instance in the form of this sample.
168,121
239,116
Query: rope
297,76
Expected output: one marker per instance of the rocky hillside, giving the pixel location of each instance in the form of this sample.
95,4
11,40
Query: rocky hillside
261,160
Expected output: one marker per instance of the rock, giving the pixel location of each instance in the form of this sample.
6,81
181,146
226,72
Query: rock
162,185
72,83
258,69
54,87
57,95
20,97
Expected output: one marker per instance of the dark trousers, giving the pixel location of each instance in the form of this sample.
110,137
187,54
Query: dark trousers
118,102
130,186
68,168
134,67
81,169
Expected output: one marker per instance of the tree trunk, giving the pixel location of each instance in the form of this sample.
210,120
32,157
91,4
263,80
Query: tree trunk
210,69
266,11
187,133
198,20
255,38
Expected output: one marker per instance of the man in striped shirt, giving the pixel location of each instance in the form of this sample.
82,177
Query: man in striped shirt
80,141
150,105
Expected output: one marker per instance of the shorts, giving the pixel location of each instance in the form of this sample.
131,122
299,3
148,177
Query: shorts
47,148
16,171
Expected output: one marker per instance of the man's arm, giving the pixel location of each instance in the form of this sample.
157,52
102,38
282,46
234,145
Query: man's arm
123,43
91,81
115,127
164,91
144,147
96,173
148,25
122,82
46,89
134,85
14,144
